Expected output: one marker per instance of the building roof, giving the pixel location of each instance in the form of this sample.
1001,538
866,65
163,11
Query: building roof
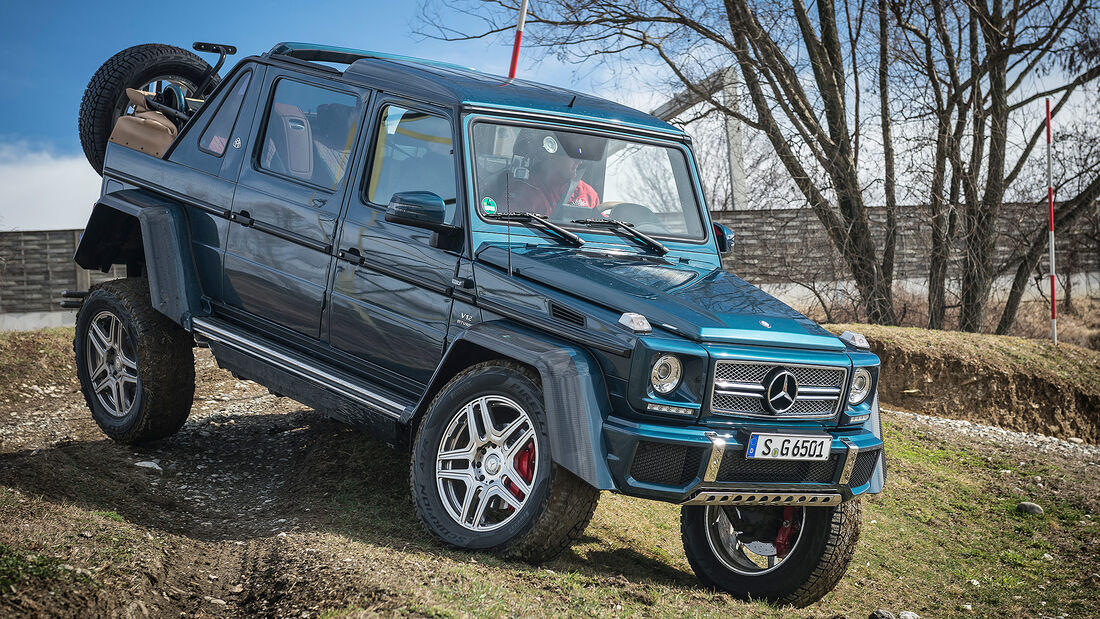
451,84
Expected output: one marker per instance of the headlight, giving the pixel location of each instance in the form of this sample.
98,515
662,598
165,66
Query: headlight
666,374
861,387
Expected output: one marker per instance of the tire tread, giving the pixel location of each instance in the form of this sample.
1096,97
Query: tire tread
166,363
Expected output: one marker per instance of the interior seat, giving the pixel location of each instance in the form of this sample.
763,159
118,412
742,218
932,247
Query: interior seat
146,130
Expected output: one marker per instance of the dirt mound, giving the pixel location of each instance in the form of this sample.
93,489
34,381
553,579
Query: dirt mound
1012,382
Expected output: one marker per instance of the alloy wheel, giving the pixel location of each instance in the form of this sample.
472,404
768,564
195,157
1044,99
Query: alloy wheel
752,555
112,364
486,463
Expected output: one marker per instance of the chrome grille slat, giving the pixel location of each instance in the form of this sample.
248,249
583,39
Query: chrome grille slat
738,389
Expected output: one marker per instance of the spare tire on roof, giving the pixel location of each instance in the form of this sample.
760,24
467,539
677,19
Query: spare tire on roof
150,66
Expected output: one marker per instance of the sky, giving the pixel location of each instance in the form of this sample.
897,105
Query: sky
49,51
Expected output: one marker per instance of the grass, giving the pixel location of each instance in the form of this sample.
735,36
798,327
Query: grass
947,519
1065,364
33,357
17,567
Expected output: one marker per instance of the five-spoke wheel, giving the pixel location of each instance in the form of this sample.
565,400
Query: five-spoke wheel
113,362
486,463
782,554
135,365
482,473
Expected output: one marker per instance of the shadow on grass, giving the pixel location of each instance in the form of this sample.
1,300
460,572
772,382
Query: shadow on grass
233,477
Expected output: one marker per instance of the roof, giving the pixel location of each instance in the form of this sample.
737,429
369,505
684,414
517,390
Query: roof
454,85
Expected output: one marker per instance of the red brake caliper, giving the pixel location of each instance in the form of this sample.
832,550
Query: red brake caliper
525,466
786,529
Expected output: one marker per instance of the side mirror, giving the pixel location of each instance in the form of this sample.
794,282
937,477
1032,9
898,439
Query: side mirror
422,209
724,237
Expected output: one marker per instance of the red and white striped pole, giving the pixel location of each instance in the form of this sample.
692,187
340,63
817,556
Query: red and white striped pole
519,37
1050,233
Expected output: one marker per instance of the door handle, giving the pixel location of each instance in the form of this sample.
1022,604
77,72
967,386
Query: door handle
242,217
350,254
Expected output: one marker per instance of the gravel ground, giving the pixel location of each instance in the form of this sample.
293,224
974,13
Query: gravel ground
1001,436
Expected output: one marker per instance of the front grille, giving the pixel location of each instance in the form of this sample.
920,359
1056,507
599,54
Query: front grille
665,463
865,467
737,468
739,390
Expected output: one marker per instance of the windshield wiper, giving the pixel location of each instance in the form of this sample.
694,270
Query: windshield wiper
624,226
543,223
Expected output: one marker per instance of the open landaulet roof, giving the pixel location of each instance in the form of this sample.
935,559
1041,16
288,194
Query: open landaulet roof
451,84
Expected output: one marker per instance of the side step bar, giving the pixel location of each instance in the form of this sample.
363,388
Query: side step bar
280,357
726,497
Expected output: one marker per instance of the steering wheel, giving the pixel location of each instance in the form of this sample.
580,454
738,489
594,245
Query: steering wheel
643,218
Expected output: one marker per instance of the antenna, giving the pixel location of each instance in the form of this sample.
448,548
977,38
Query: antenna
509,224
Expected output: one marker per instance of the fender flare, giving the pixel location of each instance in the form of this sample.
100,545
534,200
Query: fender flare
166,248
576,398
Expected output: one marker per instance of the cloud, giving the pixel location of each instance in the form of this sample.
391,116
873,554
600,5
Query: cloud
41,190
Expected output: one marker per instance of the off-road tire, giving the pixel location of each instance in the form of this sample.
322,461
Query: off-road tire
811,571
133,67
560,505
165,363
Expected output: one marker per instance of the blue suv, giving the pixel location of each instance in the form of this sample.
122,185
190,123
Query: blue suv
519,284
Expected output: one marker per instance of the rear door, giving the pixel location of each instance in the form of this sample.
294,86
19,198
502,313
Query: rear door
391,287
287,201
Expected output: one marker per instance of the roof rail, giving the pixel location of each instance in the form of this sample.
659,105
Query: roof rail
347,55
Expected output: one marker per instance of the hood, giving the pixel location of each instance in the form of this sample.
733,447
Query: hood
702,303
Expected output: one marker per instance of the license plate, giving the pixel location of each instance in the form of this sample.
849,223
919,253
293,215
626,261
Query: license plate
788,447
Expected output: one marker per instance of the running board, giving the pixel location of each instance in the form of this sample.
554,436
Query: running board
726,497
280,357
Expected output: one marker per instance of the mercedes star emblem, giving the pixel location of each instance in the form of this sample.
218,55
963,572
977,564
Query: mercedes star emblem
781,391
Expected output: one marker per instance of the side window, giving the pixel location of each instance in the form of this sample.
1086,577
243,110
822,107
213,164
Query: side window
413,152
216,136
309,134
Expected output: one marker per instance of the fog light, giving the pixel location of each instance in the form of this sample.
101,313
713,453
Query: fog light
666,373
861,387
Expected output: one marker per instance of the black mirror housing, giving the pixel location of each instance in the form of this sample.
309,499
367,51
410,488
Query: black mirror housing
421,209
724,237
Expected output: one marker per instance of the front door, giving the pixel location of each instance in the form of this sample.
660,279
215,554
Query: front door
390,296
287,202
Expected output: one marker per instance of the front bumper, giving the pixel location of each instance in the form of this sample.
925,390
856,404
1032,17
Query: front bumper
699,465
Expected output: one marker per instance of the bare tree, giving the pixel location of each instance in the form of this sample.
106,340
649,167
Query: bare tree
981,63
808,121
968,77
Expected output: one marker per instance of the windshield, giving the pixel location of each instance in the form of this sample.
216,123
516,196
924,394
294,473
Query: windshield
569,175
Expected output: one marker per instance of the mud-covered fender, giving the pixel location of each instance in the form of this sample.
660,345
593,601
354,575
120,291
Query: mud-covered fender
874,426
573,385
164,242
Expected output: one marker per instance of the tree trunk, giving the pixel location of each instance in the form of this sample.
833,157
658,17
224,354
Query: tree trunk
1027,262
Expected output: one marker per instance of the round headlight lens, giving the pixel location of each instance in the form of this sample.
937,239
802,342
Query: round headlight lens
666,373
861,386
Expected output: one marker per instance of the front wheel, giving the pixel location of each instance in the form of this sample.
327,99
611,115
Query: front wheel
482,473
785,555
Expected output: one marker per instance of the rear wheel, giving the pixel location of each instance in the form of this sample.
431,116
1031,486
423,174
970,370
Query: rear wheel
152,67
482,474
785,555
136,367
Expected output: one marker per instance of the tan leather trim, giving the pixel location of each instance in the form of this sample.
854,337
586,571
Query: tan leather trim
148,132
137,99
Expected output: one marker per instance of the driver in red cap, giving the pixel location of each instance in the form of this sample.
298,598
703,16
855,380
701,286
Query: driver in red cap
552,180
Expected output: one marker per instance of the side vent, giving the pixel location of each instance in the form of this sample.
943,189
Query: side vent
565,314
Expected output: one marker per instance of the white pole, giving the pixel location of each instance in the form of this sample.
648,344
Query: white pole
1050,235
518,40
